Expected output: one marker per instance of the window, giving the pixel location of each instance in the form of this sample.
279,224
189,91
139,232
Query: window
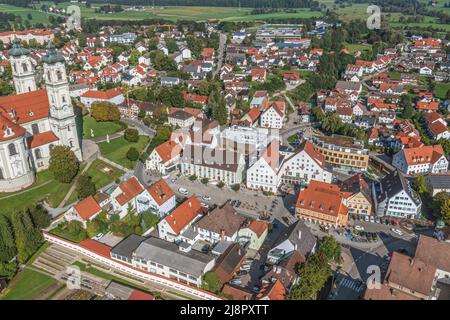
12,149
35,128
1,174
38,154
15,67
59,75
48,76
24,67
50,147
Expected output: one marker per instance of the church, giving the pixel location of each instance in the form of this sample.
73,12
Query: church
34,120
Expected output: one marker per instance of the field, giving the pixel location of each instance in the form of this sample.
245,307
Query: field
37,17
188,13
45,187
117,150
441,89
353,47
27,285
99,129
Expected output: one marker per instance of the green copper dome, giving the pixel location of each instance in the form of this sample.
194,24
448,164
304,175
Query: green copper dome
51,56
17,50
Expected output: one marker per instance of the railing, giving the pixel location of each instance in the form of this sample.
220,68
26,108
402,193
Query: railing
152,277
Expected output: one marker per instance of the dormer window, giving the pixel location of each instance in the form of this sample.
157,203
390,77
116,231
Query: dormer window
8,132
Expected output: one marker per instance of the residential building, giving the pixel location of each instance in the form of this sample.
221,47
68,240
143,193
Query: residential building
438,183
393,196
228,263
123,198
297,237
342,151
359,196
165,157
322,203
213,163
419,160
157,197
84,211
253,234
181,118
113,96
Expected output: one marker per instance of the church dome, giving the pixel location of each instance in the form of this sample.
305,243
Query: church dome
51,56
17,50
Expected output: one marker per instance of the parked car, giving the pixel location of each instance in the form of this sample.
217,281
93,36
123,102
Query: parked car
366,218
397,231
174,180
372,219
245,267
206,198
255,289
98,236
359,228
183,191
242,273
236,281
286,220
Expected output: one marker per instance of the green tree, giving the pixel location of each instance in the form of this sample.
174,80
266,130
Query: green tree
7,244
211,282
205,180
134,57
64,164
131,135
40,216
28,238
105,111
445,211
330,248
132,154
421,185
85,187
236,187
8,270
406,105
313,275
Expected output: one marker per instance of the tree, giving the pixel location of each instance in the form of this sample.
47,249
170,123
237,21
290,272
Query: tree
163,133
28,238
421,185
64,164
236,187
447,95
132,154
134,57
330,248
445,211
105,111
217,105
221,184
40,216
7,244
406,105
313,275
85,187
131,135
205,180
211,282
193,177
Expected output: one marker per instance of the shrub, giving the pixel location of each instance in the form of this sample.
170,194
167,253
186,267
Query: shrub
132,154
131,135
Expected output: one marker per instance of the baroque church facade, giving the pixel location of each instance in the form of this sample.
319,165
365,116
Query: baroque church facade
34,120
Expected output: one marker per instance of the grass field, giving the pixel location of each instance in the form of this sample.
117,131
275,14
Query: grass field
117,150
99,177
100,129
441,89
27,285
37,17
45,187
353,47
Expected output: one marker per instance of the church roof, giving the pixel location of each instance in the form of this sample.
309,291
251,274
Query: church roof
51,56
25,107
17,50
9,130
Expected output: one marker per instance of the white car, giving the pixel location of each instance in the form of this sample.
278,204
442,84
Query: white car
167,176
366,218
183,191
397,231
245,267
204,205
236,281
372,219
98,236
359,228
206,198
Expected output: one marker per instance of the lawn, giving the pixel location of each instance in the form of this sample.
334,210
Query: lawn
116,150
37,17
45,187
393,75
99,176
100,129
353,47
441,89
27,285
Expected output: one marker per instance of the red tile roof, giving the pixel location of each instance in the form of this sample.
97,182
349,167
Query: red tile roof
168,150
421,155
184,214
96,247
41,139
258,227
87,208
273,291
140,295
104,95
27,107
16,130
423,105
130,189
160,191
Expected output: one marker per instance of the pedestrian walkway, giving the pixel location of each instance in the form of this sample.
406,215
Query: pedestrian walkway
351,284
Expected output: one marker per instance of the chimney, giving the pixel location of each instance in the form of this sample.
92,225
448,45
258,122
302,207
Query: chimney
222,234
190,204
299,233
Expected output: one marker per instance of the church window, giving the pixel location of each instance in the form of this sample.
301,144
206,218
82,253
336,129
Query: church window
63,98
24,67
68,127
38,153
15,67
48,76
35,128
71,144
1,174
59,75
12,149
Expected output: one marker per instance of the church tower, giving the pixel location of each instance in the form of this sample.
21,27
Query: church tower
22,68
62,116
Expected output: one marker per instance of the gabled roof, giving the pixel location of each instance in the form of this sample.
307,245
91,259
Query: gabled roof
104,95
130,189
422,155
168,150
15,130
298,233
87,208
25,107
41,139
184,214
224,219
160,191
